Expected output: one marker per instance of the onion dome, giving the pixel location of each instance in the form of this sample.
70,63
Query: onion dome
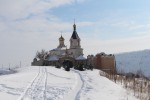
61,38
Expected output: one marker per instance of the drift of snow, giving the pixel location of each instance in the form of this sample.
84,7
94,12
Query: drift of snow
81,58
53,58
49,83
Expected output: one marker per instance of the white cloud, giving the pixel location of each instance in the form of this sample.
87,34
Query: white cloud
25,27
127,24
130,25
15,9
81,1
82,24
22,38
115,46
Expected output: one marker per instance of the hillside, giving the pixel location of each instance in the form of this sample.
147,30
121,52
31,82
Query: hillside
49,83
133,61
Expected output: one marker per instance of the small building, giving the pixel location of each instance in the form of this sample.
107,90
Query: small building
81,60
103,62
53,60
37,62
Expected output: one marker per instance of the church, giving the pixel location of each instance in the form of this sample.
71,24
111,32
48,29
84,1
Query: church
75,49
73,54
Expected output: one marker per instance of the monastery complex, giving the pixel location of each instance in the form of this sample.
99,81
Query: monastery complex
74,56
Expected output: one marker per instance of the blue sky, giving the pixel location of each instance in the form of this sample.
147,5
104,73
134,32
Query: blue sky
110,26
104,13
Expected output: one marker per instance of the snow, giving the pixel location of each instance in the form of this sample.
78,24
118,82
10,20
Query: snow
6,71
64,54
81,58
50,83
134,61
96,87
53,58
60,48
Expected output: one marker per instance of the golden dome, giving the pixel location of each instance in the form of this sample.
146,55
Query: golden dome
61,38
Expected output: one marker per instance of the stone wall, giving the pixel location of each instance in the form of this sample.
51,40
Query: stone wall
108,64
103,62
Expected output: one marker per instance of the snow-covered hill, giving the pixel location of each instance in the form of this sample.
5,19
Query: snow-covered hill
49,83
133,61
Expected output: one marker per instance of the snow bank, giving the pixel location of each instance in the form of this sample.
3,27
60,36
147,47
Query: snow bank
96,87
58,84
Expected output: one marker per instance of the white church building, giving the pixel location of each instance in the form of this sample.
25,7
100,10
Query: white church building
57,56
75,51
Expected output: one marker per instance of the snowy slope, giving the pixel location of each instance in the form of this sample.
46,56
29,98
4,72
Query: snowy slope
6,71
133,61
49,83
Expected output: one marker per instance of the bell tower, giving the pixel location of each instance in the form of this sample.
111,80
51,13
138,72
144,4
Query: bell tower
61,42
75,47
75,40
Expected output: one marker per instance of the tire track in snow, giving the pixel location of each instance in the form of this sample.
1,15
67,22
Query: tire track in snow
82,85
79,84
45,85
58,76
37,88
29,86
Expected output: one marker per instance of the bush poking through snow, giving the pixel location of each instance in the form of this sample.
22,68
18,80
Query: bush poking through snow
137,83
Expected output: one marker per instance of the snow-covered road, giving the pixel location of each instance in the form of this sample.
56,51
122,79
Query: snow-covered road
37,89
49,83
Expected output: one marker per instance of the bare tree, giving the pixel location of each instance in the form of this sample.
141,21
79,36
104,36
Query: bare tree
139,74
41,54
149,92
